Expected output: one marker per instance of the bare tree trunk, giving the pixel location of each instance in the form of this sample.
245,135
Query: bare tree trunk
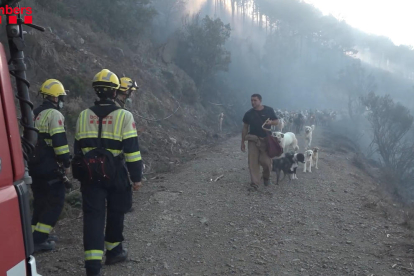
350,108
233,2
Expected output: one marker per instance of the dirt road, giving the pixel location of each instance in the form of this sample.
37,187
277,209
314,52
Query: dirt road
329,222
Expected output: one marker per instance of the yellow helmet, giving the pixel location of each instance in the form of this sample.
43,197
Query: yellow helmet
52,87
127,84
105,79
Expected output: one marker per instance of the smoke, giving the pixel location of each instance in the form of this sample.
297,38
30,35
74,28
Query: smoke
296,58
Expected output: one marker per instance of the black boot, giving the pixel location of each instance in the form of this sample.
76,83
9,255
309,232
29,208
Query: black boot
122,257
88,273
53,238
44,246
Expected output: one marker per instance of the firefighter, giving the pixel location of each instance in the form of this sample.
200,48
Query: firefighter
48,164
124,93
106,135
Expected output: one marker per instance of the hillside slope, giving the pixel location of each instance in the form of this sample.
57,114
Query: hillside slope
73,53
332,221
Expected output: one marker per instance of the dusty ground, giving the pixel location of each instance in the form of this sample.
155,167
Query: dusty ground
329,222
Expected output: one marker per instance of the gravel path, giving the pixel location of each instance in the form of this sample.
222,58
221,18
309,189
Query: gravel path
329,222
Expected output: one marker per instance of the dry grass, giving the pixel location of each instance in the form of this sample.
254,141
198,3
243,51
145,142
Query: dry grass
359,162
408,217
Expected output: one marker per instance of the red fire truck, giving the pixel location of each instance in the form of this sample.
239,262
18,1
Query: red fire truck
16,244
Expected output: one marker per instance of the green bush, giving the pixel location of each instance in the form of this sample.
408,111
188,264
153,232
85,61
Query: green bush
76,85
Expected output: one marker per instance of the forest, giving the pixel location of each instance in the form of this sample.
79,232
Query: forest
209,56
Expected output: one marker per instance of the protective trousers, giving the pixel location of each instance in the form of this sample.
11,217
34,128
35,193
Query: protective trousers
117,203
257,157
48,201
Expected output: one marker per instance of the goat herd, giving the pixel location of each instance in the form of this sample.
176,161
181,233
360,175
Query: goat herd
297,122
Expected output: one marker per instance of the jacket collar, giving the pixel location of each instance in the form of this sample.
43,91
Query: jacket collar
104,102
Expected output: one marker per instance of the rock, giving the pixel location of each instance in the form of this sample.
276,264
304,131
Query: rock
204,220
118,52
260,262
143,149
81,40
166,266
53,269
74,199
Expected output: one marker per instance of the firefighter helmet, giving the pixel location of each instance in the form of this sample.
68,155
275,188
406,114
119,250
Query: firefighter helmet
127,84
52,87
105,79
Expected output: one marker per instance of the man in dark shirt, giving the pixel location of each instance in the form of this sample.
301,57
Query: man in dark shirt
255,135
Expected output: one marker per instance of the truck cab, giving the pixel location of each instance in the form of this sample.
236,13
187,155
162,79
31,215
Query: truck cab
16,246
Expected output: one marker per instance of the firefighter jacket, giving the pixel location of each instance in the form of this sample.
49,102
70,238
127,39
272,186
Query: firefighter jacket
52,142
119,136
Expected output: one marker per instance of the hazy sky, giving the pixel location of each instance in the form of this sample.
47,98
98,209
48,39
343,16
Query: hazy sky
391,18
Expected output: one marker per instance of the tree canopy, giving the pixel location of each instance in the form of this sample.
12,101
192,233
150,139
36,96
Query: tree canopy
202,51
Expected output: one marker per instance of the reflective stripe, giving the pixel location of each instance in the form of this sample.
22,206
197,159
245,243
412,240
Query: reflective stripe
129,134
43,228
80,122
33,228
117,127
43,129
114,152
83,121
110,246
48,142
61,150
121,124
108,76
110,135
94,134
45,117
93,255
51,84
133,157
56,130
